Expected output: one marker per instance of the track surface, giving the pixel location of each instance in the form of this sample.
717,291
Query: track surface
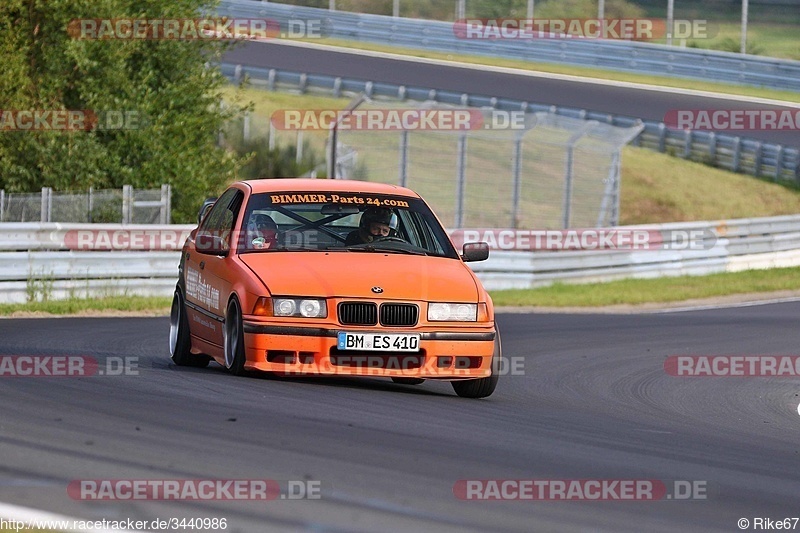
648,105
594,402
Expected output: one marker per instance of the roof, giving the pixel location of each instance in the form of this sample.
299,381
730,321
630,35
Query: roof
324,185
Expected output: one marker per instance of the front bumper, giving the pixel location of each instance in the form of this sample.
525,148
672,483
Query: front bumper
445,353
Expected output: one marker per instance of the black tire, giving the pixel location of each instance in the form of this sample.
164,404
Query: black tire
180,346
234,339
408,381
482,387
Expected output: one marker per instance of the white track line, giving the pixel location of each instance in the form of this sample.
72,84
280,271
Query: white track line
533,73
725,306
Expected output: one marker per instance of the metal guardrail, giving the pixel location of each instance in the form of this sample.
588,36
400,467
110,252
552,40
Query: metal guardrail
739,244
737,154
627,56
35,261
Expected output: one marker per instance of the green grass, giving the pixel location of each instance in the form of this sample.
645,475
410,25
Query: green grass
660,188
640,291
588,72
80,305
772,40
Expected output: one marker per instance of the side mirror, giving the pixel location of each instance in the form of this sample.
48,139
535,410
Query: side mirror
209,244
475,251
207,205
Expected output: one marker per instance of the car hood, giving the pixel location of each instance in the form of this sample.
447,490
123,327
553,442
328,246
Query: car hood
354,274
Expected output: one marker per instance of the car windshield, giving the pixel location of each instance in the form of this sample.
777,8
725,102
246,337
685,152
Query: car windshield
342,222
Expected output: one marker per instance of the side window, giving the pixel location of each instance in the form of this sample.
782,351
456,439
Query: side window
220,220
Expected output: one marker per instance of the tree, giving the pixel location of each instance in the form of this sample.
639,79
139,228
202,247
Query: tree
165,86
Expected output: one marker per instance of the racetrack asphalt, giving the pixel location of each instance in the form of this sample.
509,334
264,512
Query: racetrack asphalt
594,402
604,98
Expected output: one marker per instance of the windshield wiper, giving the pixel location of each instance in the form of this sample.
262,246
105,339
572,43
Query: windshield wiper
383,249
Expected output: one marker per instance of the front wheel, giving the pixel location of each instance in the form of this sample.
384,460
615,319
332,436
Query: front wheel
234,339
180,346
482,387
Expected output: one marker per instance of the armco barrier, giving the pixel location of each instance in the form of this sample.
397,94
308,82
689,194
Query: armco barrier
737,154
35,261
708,65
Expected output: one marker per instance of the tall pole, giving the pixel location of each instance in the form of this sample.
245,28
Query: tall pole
744,27
461,9
670,17
332,5
601,9
396,8
530,9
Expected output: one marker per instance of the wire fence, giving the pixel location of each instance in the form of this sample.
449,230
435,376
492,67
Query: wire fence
550,172
126,206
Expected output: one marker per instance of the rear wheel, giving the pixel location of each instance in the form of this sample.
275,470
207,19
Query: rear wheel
180,346
408,381
482,387
234,339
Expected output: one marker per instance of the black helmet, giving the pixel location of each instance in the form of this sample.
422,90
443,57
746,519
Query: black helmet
265,222
379,215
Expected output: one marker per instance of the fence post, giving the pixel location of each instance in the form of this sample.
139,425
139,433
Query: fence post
687,144
303,85
169,204
757,160
461,169
90,204
271,141
610,201
332,153
517,182
403,177
337,87
163,217
47,204
298,156
567,204
2,203
662,137
127,201
246,126
778,162
712,147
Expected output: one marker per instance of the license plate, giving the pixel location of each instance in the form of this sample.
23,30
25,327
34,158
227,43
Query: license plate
379,342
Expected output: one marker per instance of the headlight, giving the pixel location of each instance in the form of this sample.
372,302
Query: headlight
452,312
305,307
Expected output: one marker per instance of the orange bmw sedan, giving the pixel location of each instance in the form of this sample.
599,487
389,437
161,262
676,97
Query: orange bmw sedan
333,278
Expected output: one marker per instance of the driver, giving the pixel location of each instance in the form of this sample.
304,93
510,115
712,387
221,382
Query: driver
263,232
376,223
